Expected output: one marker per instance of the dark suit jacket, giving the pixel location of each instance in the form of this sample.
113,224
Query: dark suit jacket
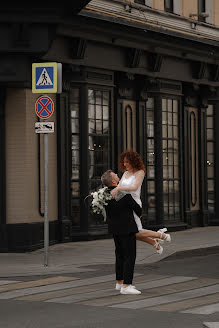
120,216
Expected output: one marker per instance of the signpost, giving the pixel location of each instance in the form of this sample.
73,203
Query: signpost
46,78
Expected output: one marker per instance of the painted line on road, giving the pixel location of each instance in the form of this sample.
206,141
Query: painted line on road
83,289
153,292
187,304
8,282
110,292
58,286
207,309
211,324
169,298
35,283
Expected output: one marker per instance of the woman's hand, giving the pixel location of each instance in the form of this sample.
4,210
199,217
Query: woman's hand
114,192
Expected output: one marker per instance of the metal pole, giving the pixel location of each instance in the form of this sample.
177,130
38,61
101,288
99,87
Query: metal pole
46,221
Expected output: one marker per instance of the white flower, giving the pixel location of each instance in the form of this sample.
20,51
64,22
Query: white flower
99,201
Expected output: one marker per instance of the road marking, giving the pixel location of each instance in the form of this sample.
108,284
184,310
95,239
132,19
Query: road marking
35,283
110,292
7,282
187,304
169,298
207,309
85,296
153,292
83,289
53,287
211,324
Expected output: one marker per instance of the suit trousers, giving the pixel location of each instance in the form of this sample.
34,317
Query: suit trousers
125,251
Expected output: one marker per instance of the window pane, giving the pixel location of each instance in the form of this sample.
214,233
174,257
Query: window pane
99,127
164,117
209,110
210,185
164,131
170,105
175,132
105,113
105,127
210,122
150,103
175,119
75,125
150,130
210,134
210,147
175,106
74,108
164,104
210,171
75,142
151,187
98,97
170,131
150,171
91,111
150,145
75,186
170,117
91,97
106,99
91,126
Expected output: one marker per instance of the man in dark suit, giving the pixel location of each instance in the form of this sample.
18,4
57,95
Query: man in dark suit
122,226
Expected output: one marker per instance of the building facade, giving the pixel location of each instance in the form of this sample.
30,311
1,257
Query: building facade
140,75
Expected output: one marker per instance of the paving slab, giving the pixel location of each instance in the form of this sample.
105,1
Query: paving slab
75,257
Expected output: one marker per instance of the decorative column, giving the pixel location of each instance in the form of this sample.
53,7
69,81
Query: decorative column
3,230
84,176
216,124
64,168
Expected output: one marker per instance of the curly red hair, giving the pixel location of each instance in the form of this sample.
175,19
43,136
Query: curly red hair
134,159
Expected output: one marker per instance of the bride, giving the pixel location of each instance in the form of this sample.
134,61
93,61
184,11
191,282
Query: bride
130,163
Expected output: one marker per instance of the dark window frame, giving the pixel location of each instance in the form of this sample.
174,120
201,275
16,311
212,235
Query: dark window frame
168,6
210,140
172,139
95,183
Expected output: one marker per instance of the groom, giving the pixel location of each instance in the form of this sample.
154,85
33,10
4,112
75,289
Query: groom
122,226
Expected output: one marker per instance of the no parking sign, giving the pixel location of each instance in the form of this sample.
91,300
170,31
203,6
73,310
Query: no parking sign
44,107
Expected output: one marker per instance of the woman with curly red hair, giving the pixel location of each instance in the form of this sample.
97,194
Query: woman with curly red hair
132,166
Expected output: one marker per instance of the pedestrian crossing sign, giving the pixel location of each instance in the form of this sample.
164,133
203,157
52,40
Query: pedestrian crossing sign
46,78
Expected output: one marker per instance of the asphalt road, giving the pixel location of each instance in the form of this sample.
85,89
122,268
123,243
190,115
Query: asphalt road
177,293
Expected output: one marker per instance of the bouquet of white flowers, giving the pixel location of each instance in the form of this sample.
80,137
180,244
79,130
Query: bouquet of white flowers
99,201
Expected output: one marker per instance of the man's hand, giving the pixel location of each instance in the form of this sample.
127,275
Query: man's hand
114,192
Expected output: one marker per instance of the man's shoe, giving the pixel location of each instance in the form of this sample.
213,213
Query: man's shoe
118,286
130,290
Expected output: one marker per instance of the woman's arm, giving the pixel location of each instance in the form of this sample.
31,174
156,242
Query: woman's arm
138,181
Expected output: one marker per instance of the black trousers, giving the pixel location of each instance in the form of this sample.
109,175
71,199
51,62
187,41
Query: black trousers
125,250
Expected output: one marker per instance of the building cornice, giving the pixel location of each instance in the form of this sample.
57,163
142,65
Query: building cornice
154,20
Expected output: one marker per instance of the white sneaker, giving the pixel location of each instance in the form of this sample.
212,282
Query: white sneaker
130,290
118,286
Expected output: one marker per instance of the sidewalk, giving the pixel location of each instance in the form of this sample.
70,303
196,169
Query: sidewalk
76,256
